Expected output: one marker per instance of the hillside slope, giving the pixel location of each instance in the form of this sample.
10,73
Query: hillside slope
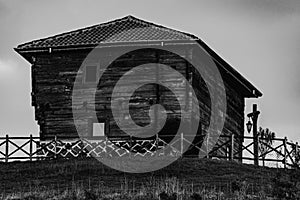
90,173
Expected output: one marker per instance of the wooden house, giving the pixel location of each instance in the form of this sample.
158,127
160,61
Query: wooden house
56,60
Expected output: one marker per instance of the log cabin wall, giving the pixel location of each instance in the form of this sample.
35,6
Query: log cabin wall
53,75
235,105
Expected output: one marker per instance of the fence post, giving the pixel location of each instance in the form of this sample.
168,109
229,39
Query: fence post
6,148
232,146
254,117
296,159
296,149
207,152
181,144
284,145
130,145
55,146
30,148
156,145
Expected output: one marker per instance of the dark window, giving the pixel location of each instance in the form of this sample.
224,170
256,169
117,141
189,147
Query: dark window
90,74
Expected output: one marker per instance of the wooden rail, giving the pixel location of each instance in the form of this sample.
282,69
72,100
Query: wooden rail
33,148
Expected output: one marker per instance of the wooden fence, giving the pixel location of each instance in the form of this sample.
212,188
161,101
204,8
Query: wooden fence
282,152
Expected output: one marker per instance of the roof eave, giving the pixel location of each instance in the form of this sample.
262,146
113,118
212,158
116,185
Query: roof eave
103,44
28,53
253,91
25,55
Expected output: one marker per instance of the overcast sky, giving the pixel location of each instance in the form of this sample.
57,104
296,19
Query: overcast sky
259,38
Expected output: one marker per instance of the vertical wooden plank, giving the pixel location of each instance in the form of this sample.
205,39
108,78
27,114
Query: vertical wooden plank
130,145
296,150
156,145
285,150
187,92
232,146
255,135
30,148
33,85
207,143
181,144
55,146
157,92
6,148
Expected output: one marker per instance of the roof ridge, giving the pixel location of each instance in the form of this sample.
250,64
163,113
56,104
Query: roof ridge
161,27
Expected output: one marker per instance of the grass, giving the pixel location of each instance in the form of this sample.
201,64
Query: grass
184,179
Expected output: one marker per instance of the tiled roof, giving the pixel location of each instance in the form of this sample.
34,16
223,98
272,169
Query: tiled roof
127,29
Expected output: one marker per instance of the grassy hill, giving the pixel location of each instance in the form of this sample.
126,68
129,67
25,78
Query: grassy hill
221,179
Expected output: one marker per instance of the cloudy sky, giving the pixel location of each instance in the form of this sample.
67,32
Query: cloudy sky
259,38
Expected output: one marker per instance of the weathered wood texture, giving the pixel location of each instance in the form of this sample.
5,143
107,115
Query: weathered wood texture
53,75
